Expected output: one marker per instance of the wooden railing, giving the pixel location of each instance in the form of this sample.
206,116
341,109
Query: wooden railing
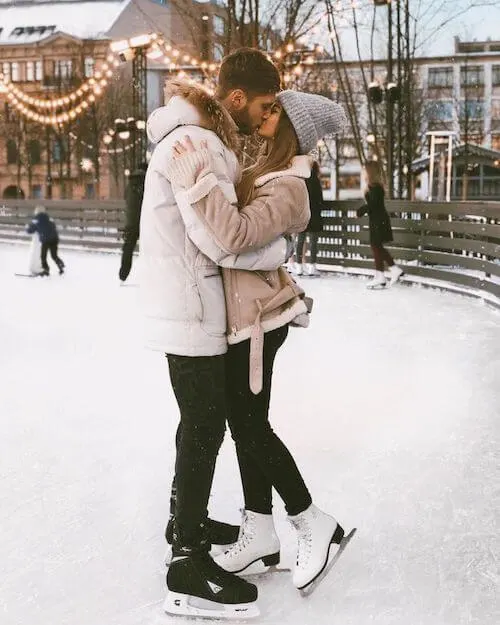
81,223
458,242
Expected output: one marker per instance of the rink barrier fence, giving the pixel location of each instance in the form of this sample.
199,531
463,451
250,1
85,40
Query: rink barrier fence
81,223
456,243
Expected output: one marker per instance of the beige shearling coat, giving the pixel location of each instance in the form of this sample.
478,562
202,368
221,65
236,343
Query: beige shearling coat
256,301
181,288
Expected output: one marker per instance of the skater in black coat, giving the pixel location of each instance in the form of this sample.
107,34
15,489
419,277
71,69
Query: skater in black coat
133,198
314,227
49,238
380,226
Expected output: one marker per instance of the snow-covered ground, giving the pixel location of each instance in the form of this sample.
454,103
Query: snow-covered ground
390,402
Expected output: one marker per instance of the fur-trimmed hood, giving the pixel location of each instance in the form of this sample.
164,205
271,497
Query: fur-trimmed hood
191,105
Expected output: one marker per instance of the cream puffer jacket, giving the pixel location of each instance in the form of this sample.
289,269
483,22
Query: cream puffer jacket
181,284
256,301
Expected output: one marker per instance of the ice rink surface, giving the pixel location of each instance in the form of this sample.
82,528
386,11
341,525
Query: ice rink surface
390,402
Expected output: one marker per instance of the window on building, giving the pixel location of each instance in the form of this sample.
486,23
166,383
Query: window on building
349,181
219,25
38,70
34,152
438,110
440,77
89,67
36,191
15,71
472,76
218,52
472,109
12,153
59,150
63,68
6,70
495,75
30,71
495,142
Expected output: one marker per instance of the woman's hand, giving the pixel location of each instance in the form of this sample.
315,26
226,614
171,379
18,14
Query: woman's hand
188,161
186,147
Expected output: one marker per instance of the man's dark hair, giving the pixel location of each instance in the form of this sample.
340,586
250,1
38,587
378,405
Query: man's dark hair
249,70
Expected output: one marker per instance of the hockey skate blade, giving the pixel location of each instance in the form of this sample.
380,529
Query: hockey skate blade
186,605
308,590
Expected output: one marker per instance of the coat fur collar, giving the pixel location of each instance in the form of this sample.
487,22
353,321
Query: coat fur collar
191,105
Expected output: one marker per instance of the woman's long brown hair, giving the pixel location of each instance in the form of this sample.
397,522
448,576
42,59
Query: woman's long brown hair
276,155
374,173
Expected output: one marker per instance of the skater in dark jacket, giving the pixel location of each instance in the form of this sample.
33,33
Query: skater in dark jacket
49,238
133,198
314,227
380,226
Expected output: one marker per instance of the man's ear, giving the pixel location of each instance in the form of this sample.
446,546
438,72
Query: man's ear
238,99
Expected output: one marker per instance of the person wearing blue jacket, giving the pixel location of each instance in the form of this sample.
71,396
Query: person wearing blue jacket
49,238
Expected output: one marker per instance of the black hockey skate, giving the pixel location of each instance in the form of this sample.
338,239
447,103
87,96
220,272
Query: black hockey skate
218,533
198,587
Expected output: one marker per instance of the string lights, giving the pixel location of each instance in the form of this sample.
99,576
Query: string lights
62,109
65,109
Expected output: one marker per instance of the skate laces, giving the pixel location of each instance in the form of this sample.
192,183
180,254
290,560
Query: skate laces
245,538
304,540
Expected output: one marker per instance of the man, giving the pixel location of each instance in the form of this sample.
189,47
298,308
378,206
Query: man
186,317
133,200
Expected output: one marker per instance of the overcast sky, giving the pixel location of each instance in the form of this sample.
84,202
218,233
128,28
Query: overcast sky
477,23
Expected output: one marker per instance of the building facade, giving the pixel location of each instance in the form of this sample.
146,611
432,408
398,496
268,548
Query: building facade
458,93
61,90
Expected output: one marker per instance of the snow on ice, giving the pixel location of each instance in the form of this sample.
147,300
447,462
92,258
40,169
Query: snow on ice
390,402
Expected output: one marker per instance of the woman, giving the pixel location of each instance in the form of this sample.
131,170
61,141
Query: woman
260,307
314,227
380,226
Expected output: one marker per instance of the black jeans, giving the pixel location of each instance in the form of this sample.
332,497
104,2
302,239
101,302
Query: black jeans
199,387
52,248
313,246
264,460
130,241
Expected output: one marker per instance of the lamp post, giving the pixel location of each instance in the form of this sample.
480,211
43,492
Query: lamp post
205,49
135,49
393,95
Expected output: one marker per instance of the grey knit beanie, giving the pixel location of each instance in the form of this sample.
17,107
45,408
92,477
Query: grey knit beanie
312,116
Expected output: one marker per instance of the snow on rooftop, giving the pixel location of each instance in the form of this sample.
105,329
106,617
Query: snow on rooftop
33,22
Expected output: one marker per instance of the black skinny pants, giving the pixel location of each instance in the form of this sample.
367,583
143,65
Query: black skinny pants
130,241
199,387
209,390
263,458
